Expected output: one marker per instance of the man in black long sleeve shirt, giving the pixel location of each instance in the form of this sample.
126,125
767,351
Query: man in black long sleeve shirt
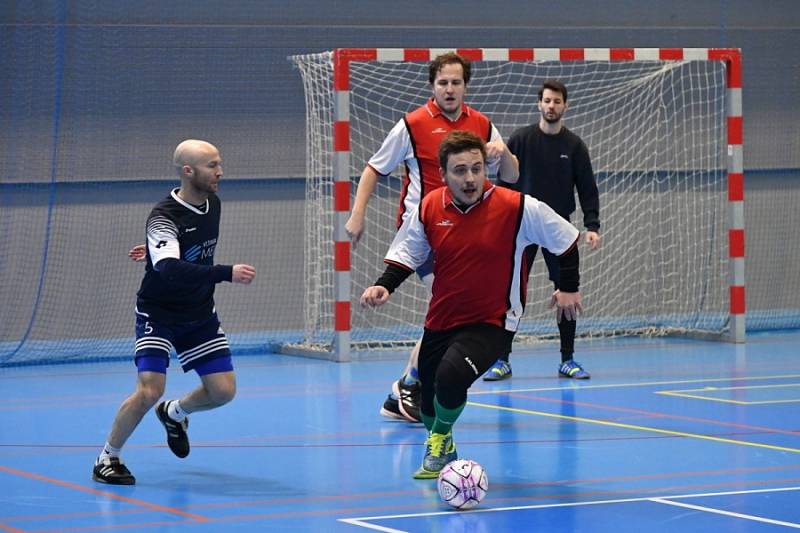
175,310
553,163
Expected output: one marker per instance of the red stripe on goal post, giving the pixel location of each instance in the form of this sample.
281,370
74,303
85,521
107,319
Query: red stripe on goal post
736,243
416,54
733,60
341,136
520,54
341,312
735,187
737,300
735,135
621,54
571,54
473,54
341,64
341,256
670,54
341,196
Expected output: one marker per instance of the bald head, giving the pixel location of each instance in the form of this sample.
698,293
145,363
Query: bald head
193,152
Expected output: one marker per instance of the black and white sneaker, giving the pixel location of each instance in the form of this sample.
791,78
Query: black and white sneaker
409,398
111,470
177,439
391,409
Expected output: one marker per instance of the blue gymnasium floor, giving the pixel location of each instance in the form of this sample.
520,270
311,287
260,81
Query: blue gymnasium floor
669,435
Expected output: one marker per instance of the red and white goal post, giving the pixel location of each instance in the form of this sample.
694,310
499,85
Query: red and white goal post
664,130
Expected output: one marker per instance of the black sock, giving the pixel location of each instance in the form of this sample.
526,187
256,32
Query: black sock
566,330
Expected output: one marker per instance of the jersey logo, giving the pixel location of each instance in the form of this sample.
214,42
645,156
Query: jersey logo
564,156
445,222
193,253
439,130
161,244
187,230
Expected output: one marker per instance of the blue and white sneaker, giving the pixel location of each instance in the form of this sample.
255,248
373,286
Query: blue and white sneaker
499,371
439,450
572,369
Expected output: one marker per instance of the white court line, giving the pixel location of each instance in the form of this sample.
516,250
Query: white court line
727,513
362,521
574,387
358,522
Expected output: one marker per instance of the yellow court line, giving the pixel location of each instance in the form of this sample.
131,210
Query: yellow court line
639,428
747,387
743,387
637,384
681,394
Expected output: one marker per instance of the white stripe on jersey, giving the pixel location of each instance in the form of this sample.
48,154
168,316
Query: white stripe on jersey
543,226
162,239
410,246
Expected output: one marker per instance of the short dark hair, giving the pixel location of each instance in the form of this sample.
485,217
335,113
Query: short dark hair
553,85
460,141
448,59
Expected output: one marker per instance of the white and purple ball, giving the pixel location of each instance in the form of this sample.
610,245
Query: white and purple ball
462,484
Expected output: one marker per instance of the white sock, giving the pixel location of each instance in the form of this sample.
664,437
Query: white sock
175,412
108,451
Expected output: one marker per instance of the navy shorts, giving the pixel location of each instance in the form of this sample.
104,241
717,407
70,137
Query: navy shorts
200,346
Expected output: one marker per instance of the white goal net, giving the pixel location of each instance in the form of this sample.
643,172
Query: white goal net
656,133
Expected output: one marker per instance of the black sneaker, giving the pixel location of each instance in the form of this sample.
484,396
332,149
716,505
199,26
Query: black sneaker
111,470
177,439
391,409
409,398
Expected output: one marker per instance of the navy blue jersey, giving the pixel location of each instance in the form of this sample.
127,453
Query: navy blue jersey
180,231
552,167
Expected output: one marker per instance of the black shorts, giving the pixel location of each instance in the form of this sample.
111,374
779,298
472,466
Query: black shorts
478,344
550,259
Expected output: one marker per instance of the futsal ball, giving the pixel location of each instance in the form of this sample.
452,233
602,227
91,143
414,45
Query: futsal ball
462,484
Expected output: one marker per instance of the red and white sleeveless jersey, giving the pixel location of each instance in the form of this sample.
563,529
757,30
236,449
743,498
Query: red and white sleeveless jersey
478,253
415,140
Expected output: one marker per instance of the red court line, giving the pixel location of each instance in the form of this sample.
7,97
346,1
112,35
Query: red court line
653,414
90,400
11,529
416,507
405,493
66,516
66,484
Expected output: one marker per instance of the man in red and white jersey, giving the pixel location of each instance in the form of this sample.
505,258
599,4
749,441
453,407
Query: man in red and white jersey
471,228
414,141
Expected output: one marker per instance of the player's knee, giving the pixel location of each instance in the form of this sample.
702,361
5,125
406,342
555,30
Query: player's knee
222,392
452,383
149,394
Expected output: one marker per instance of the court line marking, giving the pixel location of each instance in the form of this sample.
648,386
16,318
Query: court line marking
361,521
576,387
684,394
111,495
727,513
637,427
